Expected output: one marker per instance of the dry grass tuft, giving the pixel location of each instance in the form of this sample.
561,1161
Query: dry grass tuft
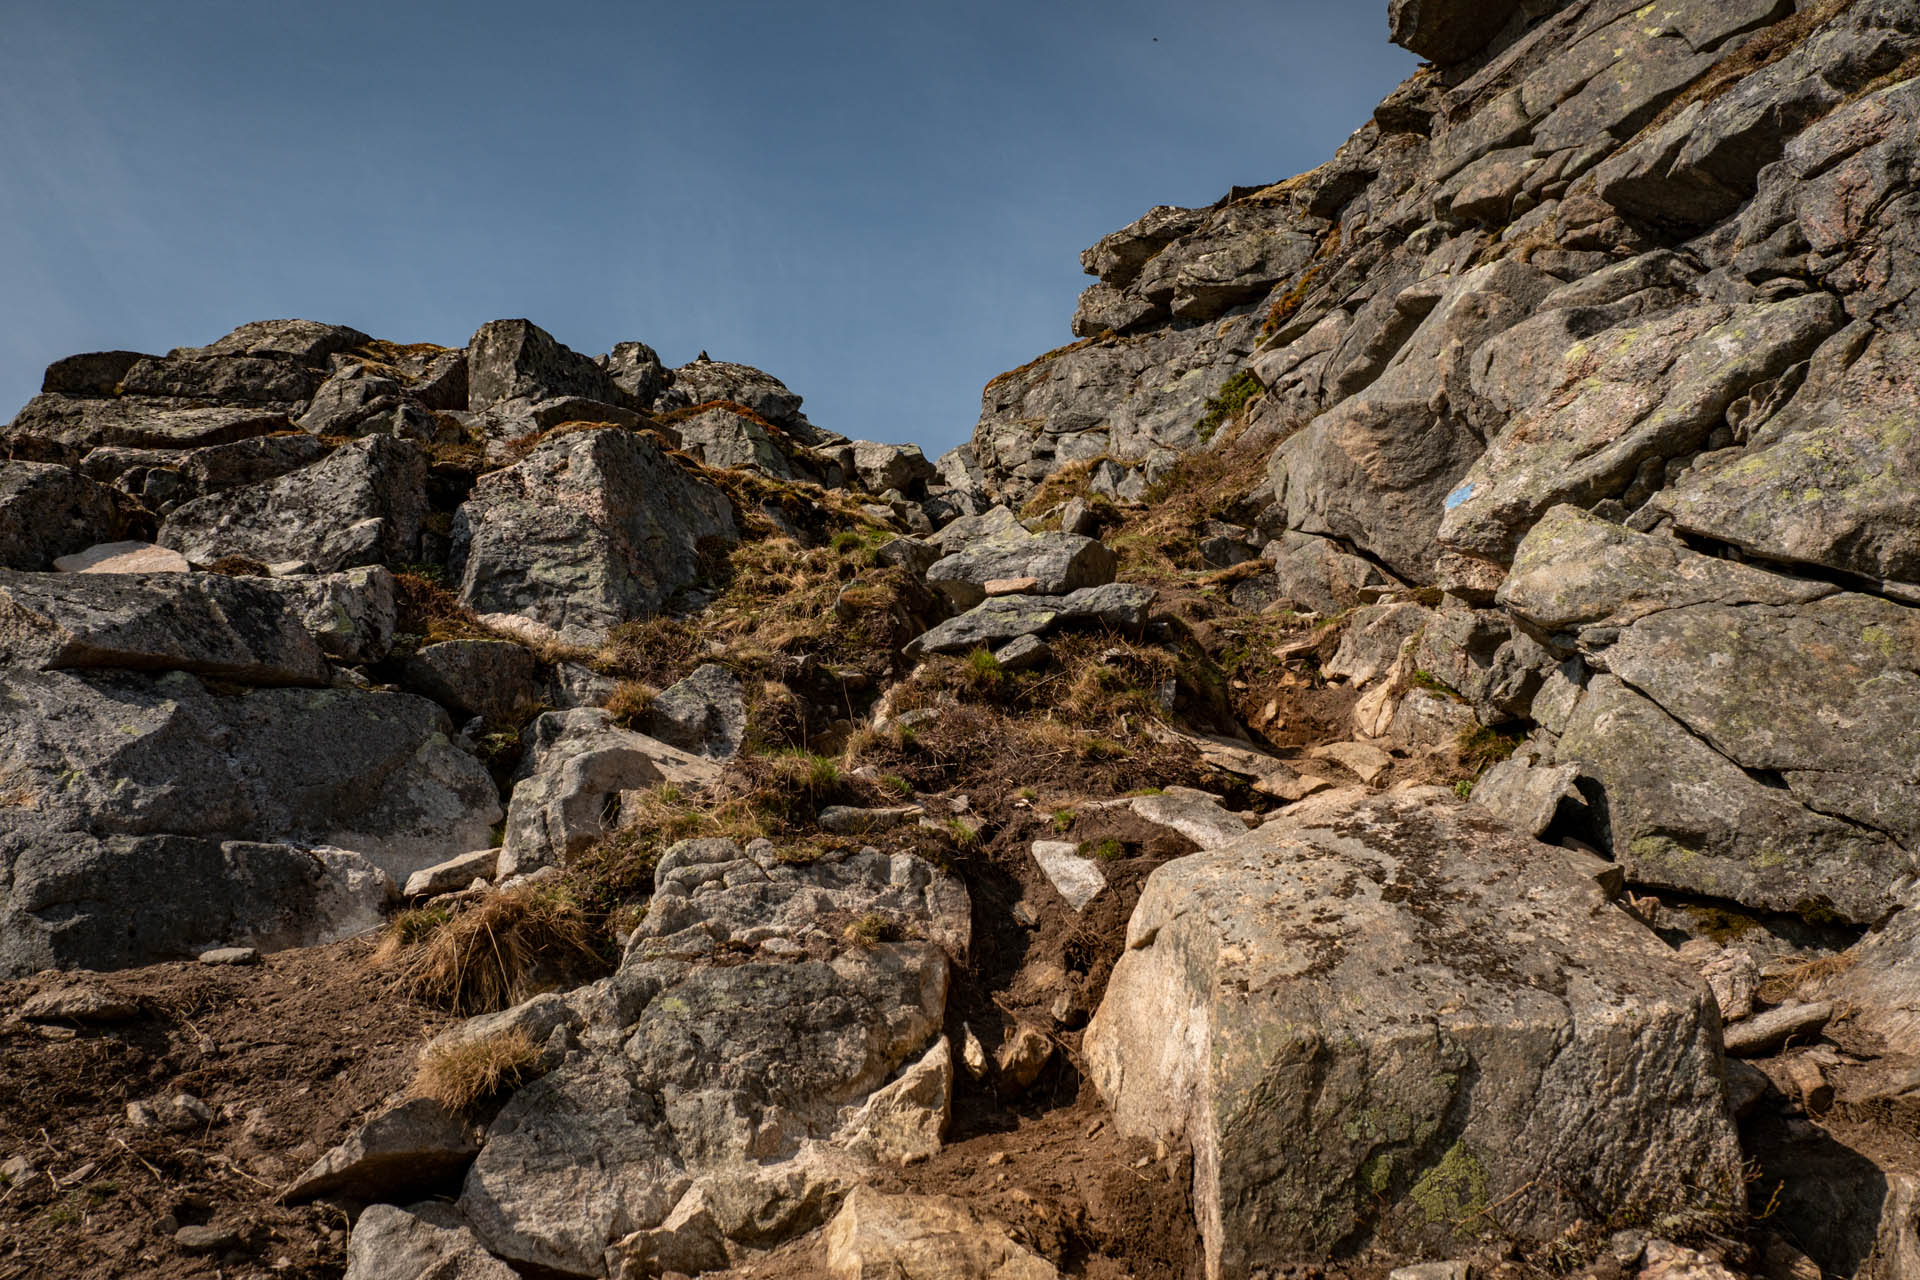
431,613
630,702
1808,977
466,1073
510,945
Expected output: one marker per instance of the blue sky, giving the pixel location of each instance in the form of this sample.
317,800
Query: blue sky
881,204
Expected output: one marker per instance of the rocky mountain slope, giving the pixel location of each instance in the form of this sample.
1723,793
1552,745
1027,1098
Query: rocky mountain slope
1395,750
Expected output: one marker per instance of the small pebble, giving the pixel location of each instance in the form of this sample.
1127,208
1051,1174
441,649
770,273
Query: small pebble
230,955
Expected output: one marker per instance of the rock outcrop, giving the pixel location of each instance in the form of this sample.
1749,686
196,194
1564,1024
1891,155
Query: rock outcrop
1390,1023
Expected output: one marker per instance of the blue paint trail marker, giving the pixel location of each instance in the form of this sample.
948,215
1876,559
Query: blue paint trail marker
1458,496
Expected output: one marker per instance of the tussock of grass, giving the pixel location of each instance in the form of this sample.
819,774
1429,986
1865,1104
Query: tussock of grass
1228,402
466,1073
510,945
430,613
872,929
629,703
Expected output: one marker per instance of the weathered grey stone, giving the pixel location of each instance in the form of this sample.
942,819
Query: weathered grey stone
1881,984
1419,1072
1194,814
352,614
848,820
518,360
1447,30
1118,258
1827,482
490,678
77,1002
366,503
577,764
308,342
62,428
1526,794
924,1238
404,1150
1678,814
1731,974
1057,562
1636,395
1077,877
592,529
728,1082
722,438
452,875
891,466
94,373
426,1242
1575,570
230,956
705,713
122,754
186,374
352,396
906,1120
199,622
1026,653
710,381
988,625
637,370
48,511
75,901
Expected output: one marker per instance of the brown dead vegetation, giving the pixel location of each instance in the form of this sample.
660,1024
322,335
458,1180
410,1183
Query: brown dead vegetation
490,954
465,1073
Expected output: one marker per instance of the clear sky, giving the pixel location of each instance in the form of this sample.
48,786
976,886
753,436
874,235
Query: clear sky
881,204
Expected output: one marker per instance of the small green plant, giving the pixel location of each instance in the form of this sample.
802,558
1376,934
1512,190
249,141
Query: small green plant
872,929
1107,850
896,785
1028,794
1434,684
983,673
1063,819
963,835
417,924
1464,788
1227,402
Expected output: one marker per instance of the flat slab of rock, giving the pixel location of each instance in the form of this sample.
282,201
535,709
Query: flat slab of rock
201,622
1055,562
352,614
1363,760
76,1002
1078,878
1428,1073
1196,815
123,557
452,875
924,1238
404,1151
996,621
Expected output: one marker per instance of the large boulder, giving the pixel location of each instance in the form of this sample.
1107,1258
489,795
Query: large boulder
1057,563
122,754
567,793
47,511
425,1242
518,360
592,529
711,1101
200,622
724,382
70,900
365,504
352,614
1390,1021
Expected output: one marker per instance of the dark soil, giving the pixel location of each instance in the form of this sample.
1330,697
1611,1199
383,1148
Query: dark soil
287,1055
